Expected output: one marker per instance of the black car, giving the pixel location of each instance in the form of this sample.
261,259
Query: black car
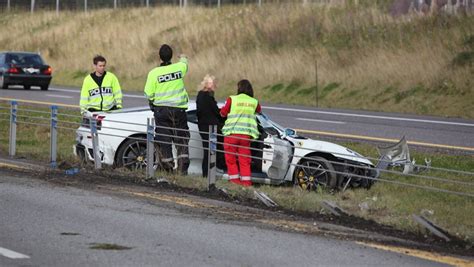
24,68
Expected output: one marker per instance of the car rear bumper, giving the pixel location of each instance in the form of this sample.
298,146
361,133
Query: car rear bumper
23,79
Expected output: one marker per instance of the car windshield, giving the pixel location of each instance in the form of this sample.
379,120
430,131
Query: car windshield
24,59
268,125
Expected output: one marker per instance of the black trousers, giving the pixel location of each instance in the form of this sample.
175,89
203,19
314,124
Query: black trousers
220,161
172,127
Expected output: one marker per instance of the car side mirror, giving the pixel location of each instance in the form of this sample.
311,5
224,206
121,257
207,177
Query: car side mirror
290,132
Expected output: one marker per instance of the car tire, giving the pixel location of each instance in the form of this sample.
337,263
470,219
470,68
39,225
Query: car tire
3,85
132,154
44,87
315,172
27,87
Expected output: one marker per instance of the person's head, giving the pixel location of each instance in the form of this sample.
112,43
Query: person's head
166,53
244,87
208,83
99,64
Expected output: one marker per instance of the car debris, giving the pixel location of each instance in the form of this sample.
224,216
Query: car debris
333,208
398,155
265,199
430,226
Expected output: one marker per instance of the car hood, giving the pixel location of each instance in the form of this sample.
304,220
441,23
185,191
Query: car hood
338,151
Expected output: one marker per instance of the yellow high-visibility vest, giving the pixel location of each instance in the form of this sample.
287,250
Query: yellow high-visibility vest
106,96
241,118
165,85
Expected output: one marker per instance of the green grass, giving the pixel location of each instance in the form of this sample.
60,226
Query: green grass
33,141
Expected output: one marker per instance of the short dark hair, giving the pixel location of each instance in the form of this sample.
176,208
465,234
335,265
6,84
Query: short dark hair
166,53
244,87
98,58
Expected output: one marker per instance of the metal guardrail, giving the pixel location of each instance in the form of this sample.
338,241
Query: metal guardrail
211,149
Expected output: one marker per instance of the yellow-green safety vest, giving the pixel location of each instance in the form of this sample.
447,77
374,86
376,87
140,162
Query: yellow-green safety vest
101,98
241,118
165,85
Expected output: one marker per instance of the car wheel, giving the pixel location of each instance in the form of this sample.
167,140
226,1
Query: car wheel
315,172
44,87
132,155
27,87
3,85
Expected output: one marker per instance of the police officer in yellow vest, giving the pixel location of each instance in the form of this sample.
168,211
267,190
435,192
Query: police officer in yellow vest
101,89
168,100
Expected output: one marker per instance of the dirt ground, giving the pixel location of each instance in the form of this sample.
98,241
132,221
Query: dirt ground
217,205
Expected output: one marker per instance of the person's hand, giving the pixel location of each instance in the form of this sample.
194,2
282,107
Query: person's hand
152,107
87,114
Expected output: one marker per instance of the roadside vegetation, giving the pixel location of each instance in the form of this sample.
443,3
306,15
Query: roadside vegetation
385,203
365,59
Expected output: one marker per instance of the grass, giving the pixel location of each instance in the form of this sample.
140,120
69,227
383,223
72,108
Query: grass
385,203
33,141
359,52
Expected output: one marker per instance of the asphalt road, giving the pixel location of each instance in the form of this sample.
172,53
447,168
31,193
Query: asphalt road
42,224
436,132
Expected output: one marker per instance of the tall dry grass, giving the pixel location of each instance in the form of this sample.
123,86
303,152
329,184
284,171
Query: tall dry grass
365,58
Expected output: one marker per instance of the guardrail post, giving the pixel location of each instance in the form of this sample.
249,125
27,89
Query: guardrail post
13,122
211,167
150,148
54,136
95,143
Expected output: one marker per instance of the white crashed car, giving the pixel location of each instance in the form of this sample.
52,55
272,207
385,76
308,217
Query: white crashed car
284,157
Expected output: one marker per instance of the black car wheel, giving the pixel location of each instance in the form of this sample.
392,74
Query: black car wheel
3,85
132,154
44,87
27,87
315,172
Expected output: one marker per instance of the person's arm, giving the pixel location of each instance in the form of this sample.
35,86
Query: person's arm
117,92
215,109
226,109
150,90
84,97
183,59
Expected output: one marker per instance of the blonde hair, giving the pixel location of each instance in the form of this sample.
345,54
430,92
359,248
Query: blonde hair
208,78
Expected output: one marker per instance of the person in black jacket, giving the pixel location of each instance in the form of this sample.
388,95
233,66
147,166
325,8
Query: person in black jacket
208,113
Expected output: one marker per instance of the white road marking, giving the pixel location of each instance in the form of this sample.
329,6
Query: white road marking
60,96
12,254
336,122
371,116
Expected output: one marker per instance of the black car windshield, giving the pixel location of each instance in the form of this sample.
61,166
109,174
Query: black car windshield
24,59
